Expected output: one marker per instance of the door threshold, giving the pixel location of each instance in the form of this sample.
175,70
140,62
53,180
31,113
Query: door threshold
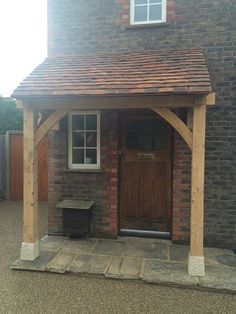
145,234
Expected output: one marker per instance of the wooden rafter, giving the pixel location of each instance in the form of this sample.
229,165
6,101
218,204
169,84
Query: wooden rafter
176,123
48,124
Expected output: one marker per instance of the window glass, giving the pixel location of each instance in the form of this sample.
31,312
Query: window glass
141,2
140,13
78,122
78,156
146,134
155,12
84,150
91,122
148,11
78,139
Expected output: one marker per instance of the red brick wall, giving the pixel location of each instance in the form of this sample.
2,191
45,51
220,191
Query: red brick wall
101,187
181,190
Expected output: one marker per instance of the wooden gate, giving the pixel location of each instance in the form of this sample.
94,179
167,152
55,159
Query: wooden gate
16,168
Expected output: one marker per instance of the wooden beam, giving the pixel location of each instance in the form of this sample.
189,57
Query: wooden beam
56,116
198,170
112,102
208,100
29,249
190,118
176,123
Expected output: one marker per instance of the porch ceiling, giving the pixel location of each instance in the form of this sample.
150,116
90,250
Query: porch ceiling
148,73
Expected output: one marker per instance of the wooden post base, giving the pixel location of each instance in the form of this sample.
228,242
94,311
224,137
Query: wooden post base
196,266
29,251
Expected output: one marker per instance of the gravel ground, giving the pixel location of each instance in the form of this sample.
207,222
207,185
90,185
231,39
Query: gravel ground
29,292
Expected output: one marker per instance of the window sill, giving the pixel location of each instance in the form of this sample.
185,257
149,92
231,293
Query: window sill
83,171
151,25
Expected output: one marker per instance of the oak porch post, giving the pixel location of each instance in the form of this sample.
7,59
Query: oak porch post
30,244
196,266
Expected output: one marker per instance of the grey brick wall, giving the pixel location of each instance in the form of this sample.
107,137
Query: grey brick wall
91,26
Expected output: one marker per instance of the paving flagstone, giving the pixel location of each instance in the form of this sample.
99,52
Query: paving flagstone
148,260
38,265
51,243
124,268
60,262
147,249
168,273
76,246
219,278
179,253
110,247
91,264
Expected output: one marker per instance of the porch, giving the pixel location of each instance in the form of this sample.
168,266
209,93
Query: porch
145,260
168,81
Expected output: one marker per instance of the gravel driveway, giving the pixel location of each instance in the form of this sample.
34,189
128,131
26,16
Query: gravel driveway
29,292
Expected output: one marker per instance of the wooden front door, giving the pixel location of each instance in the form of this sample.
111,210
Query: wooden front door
146,175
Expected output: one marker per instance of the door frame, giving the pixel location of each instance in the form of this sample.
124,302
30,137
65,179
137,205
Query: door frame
145,114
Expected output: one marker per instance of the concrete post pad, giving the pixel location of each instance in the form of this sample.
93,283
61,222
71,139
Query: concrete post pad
29,251
196,266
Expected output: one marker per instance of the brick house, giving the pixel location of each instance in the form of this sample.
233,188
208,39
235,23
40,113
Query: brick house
127,84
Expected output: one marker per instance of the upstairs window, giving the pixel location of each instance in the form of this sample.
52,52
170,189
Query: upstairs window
147,11
84,140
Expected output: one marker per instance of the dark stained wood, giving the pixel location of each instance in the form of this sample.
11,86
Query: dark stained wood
16,168
43,170
145,202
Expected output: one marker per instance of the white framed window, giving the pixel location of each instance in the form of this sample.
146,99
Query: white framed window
84,140
147,11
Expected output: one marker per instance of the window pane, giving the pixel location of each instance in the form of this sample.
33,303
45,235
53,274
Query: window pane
78,122
147,134
140,14
91,139
155,1
78,156
91,156
159,142
91,122
140,2
78,139
155,12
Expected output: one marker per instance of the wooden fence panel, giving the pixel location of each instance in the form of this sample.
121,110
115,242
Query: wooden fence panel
16,168
2,167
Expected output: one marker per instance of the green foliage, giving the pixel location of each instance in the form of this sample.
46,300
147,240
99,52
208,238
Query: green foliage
11,118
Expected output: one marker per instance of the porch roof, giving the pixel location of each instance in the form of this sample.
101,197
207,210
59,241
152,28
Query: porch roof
124,74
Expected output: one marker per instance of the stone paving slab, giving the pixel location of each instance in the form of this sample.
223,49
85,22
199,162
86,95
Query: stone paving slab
149,260
168,273
147,249
75,246
52,243
227,260
179,253
109,247
37,265
219,279
124,268
90,264
60,262
211,256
